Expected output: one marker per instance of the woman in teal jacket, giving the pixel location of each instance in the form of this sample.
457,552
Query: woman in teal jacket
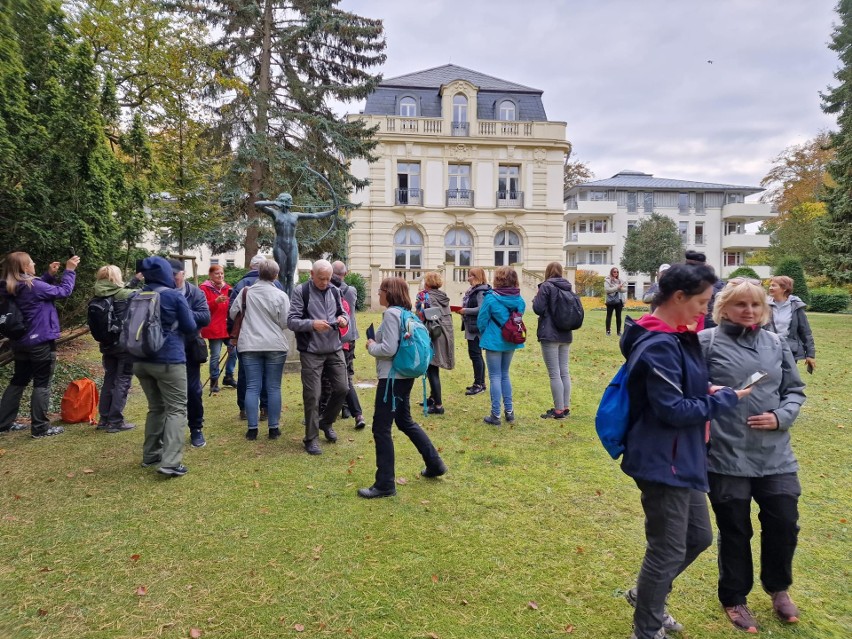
497,305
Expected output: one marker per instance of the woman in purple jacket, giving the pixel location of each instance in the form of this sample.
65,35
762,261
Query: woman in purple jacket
35,352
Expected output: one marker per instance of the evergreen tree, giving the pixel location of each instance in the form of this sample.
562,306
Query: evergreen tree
834,232
653,241
792,268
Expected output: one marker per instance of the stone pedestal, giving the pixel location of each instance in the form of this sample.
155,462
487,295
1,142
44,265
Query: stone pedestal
293,363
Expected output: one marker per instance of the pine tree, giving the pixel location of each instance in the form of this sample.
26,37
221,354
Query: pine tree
834,233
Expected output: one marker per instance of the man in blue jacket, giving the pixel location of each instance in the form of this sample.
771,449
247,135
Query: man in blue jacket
163,376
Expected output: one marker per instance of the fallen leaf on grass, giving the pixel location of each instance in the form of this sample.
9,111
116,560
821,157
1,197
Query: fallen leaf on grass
402,481
42,612
424,501
843,521
434,579
195,633
134,557
17,497
256,484
298,627
532,605
69,475
141,591
2,451
88,471
432,635
464,602
569,628
580,550
46,569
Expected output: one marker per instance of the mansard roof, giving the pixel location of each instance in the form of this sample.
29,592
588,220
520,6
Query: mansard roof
439,76
627,179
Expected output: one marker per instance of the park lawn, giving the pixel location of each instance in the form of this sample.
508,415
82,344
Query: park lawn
534,532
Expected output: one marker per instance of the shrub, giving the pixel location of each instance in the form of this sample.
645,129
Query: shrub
829,300
360,284
792,268
744,271
234,274
588,283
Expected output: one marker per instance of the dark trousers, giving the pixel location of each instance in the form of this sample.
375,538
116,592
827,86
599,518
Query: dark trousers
433,374
677,530
314,365
475,353
241,388
384,416
33,364
194,404
118,375
609,309
353,404
777,497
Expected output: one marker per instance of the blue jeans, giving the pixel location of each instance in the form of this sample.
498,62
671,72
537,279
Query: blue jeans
216,353
263,368
498,377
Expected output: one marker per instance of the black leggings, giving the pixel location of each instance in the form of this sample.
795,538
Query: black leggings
433,374
474,351
609,309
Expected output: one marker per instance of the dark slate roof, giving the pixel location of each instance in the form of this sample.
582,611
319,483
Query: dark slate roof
638,180
438,76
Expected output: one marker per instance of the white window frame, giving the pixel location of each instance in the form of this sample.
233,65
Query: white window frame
505,249
507,111
455,247
408,107
408,246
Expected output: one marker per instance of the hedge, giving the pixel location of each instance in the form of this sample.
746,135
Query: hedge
829,300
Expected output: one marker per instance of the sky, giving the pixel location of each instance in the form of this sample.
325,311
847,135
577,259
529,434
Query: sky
632,78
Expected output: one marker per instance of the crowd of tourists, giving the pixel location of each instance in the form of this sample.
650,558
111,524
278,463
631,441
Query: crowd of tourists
734,383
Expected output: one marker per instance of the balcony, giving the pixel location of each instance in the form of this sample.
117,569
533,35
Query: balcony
594,240
745,241
748,211
599,207
510,199
408,197
461,129
501,128
460,198
413,125
437,127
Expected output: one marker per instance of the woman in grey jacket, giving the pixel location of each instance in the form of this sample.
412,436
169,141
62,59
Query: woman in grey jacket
789,320
616,290
442,340
750,454
469,311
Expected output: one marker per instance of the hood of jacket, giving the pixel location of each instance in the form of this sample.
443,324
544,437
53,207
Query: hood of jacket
559,282
105,288
438,297
795,301
636,331
158,272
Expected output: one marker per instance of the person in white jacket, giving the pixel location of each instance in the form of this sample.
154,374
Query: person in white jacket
263,345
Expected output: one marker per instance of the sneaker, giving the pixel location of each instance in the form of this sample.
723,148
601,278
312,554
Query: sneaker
330,435
14,427
214,388
243,415
670,624
274,432
742,618
784,607
494,420
608,333
372,492
229,381
48,432
153,462
173,471
263,415
251,434
435,410
434,471
196,438
548,414
120,428
510,416
476,389
360,423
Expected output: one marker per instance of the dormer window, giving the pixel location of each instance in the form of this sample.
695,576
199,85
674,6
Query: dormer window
459,108
408,108
506,111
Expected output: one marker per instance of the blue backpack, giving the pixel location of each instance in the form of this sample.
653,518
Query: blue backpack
413,355
612,419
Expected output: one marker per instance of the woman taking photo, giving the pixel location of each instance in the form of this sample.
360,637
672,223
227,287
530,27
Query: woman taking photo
555,343
789,320
393,295
217,291
263,346
35,352
616,290
442,338
751,457
497,306
471,302
666,445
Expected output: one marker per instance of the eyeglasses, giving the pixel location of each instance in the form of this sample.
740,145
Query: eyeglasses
736,281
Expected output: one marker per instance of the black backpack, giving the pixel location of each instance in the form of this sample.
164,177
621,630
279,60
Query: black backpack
13,324
105,321
566,310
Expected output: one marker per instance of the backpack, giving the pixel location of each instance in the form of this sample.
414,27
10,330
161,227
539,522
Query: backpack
142,335
80,402
303,338
566,310
612,419
13,324
413,355
514,330
105,322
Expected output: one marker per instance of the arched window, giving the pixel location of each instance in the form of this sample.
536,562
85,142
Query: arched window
459,108
507,111
407,248
507,248
458,244
408,108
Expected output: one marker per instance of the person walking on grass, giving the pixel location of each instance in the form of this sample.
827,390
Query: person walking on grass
34,354
550,301
615,289
443,344
790,322
665,449
217,292
471,302
387,409
497,306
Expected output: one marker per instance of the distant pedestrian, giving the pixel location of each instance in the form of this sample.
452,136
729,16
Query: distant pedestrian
443,341
471,302
217,292
616,290
790,322
648,297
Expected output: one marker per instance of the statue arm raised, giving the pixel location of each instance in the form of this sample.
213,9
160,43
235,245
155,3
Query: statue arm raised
317,216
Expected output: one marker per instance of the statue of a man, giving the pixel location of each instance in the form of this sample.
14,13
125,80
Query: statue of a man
286,249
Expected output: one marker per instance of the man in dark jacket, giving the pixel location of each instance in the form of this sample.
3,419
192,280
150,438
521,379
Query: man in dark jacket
163,376
193,342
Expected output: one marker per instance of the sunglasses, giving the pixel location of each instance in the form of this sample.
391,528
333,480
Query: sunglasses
740,280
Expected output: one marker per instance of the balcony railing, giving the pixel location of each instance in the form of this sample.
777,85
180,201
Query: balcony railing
510,199
461,129
459,197
409,197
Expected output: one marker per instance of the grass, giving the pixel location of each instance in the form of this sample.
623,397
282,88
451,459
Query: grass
534,532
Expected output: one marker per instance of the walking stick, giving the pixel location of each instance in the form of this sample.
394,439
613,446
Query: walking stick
223,358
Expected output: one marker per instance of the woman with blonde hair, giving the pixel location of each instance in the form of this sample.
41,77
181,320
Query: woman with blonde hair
751,457
35,353
789,320
442,337
117,363
471,302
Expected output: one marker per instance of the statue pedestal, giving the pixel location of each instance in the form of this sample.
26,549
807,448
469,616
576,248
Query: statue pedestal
293,363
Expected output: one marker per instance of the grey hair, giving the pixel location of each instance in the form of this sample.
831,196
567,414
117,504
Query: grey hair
268,270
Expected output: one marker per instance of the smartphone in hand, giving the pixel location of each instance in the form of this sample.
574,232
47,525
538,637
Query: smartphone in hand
371,332
756,378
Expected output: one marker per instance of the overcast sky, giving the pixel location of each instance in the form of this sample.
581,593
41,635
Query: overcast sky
631,78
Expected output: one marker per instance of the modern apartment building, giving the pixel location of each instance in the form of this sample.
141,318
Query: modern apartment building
469,173
712,218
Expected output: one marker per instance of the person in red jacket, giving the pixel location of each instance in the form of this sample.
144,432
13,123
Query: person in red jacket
216,290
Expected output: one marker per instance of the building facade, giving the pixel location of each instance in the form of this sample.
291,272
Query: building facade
711,218
469,173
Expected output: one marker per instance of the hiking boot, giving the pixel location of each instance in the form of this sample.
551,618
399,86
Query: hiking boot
742,618
196,438
494,420
214,385
274,433
330,435
784,606
312,448
434,471
510,416
173,471
243,415
251,434
47,432
372,492
359,422
102,426
229,381
429,402
670,624
120,428
345,413
435,410
263,415
476,389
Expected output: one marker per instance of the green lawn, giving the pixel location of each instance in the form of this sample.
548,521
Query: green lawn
534,532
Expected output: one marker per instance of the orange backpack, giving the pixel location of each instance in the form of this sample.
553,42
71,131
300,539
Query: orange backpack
80,402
